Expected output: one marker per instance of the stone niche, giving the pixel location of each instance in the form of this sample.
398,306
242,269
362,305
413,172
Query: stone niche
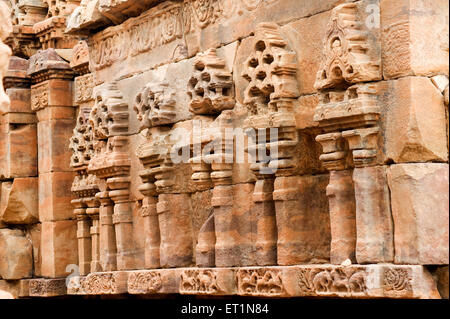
266,148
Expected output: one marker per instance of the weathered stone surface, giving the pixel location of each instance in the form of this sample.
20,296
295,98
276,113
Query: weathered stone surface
18,149
407,47
58,247
16,260
257,148
419,196
302,238
415,133
374,226
55,196
53,143
19,201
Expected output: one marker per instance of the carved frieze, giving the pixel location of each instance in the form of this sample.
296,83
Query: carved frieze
259,282
148,282
156,27
47,287
337,280
197,281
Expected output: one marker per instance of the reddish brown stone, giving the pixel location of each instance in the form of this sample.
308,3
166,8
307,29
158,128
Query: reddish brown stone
58,247
419,196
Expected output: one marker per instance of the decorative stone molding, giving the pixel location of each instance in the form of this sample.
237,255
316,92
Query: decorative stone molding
211,87
347,51
155,105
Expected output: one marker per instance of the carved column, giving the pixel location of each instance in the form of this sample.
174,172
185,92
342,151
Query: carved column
52,99
111,164
123,221
108,250
341,196
373,211
167,215
212,94
81,143
93,212
349,112
84,236
270,70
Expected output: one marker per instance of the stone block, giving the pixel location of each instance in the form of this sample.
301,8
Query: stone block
20,100
374,227
55,196
408,48
19,201
420,209
58,247
34,234
16,256
303,219
18,150
415,121
53,145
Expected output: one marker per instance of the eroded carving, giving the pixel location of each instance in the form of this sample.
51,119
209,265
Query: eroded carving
210,87
347,51
155,105
199,282
259,282
144,282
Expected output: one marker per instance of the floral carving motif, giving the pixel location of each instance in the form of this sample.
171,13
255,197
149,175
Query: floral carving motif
397,279
83,88
99,284
39,97
144,282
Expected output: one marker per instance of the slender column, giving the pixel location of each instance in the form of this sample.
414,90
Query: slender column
108,249
151,225
374,243
123,222
341,197
93,211
83,235
266,226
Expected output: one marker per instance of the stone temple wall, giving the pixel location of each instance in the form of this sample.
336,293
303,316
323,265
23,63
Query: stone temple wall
274,148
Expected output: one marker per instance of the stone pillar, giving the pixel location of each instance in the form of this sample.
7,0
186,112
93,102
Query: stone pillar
108,251
84,236
341,197
266,226
123,221
93,212
374,224
151,226
51,98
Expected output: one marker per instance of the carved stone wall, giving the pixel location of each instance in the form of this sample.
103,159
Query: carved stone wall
264,148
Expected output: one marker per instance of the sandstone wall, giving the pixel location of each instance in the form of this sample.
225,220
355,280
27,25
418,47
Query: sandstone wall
271,148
